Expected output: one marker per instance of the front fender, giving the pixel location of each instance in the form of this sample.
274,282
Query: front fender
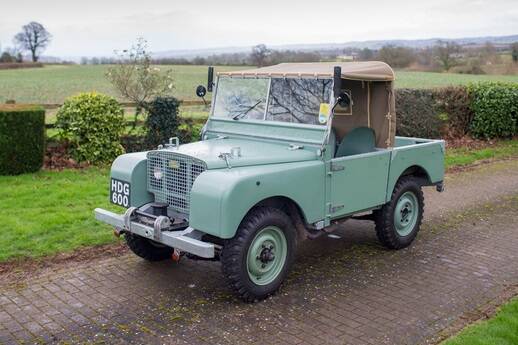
221,198
132,168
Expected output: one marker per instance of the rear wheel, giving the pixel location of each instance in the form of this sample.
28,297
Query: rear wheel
147,249
398,221
258,258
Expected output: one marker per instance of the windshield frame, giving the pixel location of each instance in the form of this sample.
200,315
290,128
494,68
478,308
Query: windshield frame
267,102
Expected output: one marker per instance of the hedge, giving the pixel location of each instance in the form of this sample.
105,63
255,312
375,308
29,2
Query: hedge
483,110
162,120
22,139
495,108
417,114
454,104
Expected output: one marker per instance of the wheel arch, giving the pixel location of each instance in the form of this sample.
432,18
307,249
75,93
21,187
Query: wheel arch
287,205
417,171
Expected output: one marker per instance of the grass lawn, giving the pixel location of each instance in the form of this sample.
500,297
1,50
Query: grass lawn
52,84
464,156
502,329
50,211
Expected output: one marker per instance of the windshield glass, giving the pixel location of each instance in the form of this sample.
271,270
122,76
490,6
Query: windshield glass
239,98
282,99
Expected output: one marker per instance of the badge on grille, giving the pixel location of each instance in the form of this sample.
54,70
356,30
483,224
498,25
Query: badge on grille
174,164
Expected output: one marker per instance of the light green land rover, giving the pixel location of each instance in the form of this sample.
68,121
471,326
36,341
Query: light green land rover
288,153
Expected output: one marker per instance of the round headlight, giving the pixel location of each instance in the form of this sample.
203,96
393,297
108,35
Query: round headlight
157,173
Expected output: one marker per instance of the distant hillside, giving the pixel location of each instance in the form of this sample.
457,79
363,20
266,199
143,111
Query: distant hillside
376,44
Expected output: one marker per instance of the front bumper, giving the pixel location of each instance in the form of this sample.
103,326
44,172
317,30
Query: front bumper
186,240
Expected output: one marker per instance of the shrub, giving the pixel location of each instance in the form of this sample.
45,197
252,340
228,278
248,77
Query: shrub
162,120
134,143
22,139
417,114
495,108
454,102
189,131
93,124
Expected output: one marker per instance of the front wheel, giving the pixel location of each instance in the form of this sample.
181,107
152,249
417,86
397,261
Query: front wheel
148,249
398,221
258,258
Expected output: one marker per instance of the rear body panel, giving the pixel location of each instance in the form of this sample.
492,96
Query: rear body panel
414,152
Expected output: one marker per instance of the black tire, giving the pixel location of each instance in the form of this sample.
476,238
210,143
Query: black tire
236,251
385,217
147,249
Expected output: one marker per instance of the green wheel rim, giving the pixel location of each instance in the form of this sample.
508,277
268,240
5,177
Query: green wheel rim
266,255
406,213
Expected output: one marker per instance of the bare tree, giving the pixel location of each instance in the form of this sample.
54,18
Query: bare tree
259,55
446,53
33,37
365,54
136,79
395,56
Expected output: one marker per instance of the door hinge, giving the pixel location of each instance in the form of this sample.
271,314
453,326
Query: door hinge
336,167
336,208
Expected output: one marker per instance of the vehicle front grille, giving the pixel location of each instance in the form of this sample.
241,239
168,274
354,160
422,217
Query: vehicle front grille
178,173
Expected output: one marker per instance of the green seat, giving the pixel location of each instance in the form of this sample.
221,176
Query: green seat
357,141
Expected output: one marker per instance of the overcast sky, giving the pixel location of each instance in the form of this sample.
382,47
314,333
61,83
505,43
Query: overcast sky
97,27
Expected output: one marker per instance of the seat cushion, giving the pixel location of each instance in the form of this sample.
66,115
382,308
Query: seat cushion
357,141
332,142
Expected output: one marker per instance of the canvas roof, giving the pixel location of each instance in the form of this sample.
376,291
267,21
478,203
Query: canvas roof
367,70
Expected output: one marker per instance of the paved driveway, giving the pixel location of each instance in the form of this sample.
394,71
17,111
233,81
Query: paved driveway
341,291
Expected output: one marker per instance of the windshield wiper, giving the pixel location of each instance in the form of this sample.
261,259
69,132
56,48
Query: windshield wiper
243,113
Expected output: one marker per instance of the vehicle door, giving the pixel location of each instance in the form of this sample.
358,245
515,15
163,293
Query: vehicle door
357,182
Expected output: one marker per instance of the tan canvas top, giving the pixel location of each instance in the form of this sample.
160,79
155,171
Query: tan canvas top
368,70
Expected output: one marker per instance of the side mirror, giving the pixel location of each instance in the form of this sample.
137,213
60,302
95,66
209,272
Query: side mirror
201,91
343,100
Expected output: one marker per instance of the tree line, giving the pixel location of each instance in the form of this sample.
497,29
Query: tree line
443,56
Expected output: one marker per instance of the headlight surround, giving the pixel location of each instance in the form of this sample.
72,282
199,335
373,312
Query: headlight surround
158,173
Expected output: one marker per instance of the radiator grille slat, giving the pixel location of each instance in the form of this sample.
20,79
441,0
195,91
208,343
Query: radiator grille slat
178,174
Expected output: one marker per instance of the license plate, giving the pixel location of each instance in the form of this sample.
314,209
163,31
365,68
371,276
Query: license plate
120,192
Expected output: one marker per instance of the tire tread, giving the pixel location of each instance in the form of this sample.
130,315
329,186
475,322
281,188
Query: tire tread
384,218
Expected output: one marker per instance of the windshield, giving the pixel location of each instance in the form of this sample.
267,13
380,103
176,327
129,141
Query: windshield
275,99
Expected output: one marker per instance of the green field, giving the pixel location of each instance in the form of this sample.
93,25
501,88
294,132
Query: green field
424,80
52,84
